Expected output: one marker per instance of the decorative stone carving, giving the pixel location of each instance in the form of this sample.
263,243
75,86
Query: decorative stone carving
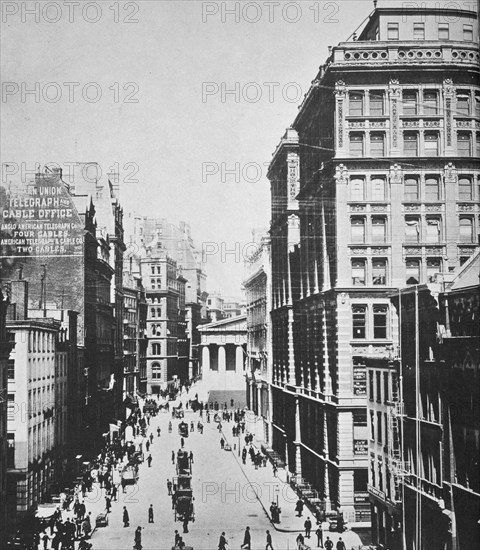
396,175
411,207
465,207
394,91
431,123
379,251
357,208
419,54
356,124
433,207
463,123
357,251
293,175
340,92
466,251
413,250
448,91
365,55
378,208
377,124
411,123
434,250
450,173
341,174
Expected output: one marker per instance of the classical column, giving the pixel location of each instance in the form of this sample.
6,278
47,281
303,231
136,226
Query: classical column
222,360
239,361
205,360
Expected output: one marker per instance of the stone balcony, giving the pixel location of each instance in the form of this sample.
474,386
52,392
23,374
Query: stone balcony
411,52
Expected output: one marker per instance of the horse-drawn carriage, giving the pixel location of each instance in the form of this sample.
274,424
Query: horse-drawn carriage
129,475
184,509
183,429
184,466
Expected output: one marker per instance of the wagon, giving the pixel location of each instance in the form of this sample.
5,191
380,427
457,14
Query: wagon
183,429
129,475
184,509
183,463
101,520
178,413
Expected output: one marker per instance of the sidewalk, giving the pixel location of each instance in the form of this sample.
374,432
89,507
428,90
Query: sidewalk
267,488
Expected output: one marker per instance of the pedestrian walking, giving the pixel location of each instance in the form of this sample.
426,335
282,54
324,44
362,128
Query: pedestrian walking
299,507
275,469
147,446
173,457
308,527
222,443
45,539
138,538
341,544
182,442
319,534
246,539
222,543
185,524
328,544
190,456
149,460
169,487
269,541
150,514
108,504
177,538
126,518
151,439
114,492
158,432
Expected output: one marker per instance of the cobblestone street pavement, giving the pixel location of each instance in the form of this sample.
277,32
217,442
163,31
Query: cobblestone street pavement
224,498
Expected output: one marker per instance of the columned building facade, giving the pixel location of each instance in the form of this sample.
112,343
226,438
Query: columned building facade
373,188
223,348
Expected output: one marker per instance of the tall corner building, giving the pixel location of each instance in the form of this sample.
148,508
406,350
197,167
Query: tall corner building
375,186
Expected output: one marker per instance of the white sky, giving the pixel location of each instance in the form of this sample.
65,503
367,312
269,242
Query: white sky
172,134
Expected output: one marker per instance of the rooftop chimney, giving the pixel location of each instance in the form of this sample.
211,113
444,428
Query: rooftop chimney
19,297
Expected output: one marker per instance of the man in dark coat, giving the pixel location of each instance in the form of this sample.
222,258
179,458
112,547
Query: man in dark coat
126,518
150,514
246,539
169,487
222,542
299,507
308,527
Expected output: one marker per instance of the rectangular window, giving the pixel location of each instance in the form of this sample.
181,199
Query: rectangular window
376,104
477,105
443,31
434,266
419,31
412,229
412,271
372,425
477,144
411,189
410,103
152,283
464,148
379,230
356,145
378,376
380,321
465,189
430,103
392,31
463,103
431,144
379,428
370,385
377,148
11,369
468,33
410,145
378,189
359,314
379,272
355,104
357,189
432,189
358,272
358,230
434,228
466,229
360,418
386,392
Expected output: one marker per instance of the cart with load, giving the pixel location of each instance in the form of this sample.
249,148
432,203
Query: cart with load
184,509
129,475
183,429
183,463
101,520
